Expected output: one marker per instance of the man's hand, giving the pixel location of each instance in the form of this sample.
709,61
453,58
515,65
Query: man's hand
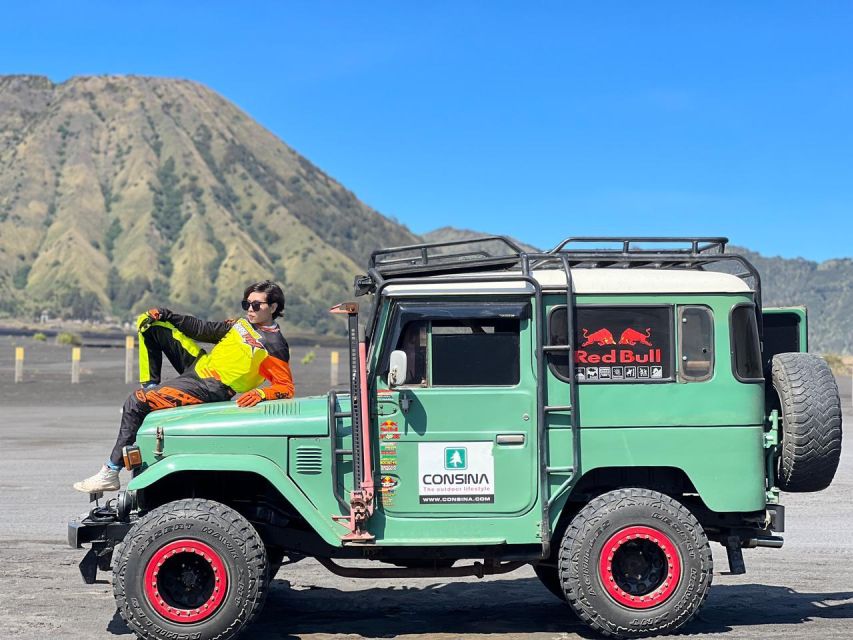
159,314
251,398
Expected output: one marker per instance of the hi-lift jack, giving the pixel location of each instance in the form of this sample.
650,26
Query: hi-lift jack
361,499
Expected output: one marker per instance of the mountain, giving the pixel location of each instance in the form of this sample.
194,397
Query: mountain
121,193
118,193
825,288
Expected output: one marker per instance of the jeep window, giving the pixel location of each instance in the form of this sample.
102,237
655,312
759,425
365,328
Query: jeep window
746,351
696,344
615,343
475,352
455,343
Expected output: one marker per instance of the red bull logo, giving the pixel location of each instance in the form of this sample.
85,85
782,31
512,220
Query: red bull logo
629,338
601,338
632,337
389,483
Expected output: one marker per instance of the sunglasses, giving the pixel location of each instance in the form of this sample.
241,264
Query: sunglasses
254,304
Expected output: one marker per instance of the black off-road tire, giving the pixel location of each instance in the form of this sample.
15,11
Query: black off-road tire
811,422
619,519
203,532
549,576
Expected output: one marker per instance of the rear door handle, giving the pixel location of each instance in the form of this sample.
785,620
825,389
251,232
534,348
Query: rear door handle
510,438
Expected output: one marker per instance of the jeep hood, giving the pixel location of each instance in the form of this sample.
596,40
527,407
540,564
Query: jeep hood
299,417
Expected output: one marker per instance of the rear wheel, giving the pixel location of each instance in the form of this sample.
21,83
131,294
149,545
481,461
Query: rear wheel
190,568
635,562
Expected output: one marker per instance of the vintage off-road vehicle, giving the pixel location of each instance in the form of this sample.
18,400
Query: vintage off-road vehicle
601,411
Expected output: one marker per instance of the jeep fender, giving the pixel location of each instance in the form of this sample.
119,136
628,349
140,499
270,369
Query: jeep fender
247,463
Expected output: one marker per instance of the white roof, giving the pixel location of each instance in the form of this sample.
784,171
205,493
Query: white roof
586,281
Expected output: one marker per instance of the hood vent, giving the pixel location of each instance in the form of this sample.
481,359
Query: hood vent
309,460
281,408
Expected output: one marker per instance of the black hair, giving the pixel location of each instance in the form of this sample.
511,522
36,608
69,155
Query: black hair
273,291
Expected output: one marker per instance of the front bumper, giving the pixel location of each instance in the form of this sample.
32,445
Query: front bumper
83,531
102,529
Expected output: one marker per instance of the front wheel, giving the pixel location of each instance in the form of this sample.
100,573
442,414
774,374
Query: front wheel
190,568
635,562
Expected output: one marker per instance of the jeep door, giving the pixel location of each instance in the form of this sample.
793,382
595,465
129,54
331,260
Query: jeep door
459,437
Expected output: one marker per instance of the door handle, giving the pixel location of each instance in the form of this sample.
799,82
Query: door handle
510,438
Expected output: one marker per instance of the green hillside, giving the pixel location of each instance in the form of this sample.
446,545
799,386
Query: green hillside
121,192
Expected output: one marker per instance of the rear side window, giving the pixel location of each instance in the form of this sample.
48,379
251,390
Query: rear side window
746,350
617,344
696,344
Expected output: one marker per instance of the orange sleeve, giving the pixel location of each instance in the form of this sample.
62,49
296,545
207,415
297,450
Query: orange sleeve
281,380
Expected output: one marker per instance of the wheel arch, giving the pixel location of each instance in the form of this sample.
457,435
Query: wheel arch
671,481
230,479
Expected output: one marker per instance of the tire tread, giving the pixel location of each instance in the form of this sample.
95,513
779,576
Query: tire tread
202,510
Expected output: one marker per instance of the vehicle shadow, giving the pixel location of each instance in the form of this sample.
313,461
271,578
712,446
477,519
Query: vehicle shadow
514,608
731,606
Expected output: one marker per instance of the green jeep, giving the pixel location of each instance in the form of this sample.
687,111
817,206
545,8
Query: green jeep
600,411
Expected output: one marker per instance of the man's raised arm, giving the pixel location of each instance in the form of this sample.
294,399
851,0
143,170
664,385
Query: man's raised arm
192,327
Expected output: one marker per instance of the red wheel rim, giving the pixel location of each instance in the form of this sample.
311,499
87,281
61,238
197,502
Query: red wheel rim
635,542
172,559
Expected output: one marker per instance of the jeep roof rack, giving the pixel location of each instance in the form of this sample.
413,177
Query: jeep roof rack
499,253
432,258
696,246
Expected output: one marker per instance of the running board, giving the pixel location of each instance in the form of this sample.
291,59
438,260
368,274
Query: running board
478,569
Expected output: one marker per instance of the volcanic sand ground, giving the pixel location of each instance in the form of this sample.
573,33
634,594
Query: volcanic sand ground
53,433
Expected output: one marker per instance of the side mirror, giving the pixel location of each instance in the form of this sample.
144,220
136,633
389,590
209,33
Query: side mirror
397,370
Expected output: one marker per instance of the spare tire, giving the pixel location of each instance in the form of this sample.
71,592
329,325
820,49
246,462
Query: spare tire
810,409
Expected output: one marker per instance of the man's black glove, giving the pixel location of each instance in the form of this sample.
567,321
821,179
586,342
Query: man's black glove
160,314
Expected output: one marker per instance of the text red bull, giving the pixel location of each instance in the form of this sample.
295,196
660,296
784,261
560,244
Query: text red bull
619,356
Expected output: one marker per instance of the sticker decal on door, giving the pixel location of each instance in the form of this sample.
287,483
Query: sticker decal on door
456,472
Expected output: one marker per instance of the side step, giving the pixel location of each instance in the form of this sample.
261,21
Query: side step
479,569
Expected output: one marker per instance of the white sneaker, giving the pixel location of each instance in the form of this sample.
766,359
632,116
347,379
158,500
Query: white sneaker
105,480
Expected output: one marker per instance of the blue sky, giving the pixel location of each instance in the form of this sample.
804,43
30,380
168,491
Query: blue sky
563,119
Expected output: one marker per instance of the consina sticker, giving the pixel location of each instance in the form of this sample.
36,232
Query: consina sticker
617,344
456,473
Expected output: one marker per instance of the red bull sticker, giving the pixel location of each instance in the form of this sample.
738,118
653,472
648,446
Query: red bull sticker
622,344
388,430
388,489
